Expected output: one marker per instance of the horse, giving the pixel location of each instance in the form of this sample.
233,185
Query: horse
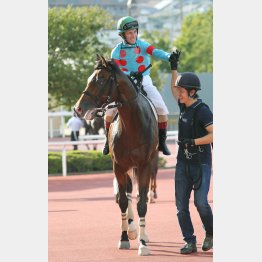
93,127
133,141
152,193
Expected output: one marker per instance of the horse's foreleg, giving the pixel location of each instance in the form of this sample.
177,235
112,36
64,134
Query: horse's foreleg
142,209
131,232
123,204
116,190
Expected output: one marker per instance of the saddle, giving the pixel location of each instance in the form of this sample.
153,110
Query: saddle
136,79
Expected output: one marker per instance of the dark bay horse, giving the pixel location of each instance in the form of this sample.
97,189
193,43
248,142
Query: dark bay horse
92,127
133,140
152,194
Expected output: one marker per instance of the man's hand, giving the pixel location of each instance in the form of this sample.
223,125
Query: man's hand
186,142
174,59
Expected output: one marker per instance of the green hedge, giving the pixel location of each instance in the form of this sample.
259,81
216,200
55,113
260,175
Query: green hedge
83,161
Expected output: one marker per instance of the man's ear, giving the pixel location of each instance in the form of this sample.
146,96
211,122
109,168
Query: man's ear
192,92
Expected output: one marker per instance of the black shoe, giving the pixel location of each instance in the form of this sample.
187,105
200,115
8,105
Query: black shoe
164,149
106,148
162,142
188,248
208,243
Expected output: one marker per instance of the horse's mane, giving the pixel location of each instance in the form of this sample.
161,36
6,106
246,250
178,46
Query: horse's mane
112,64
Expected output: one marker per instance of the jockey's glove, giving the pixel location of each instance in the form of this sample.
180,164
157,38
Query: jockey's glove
174,59
136,75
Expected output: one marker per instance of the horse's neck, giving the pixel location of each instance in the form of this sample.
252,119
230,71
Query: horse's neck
130,114
129,98
126,89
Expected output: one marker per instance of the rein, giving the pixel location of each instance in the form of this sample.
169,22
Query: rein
111,82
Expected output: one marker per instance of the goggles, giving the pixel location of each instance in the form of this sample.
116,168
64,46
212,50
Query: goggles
130,25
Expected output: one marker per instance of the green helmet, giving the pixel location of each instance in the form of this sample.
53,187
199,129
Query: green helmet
126,23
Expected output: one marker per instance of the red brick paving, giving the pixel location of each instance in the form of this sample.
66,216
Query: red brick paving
84,222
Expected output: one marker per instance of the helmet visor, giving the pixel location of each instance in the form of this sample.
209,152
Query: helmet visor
130,25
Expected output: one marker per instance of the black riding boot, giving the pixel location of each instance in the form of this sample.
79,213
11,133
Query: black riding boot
162,142
106,146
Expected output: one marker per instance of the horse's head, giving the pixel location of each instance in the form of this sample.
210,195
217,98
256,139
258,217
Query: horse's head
100,90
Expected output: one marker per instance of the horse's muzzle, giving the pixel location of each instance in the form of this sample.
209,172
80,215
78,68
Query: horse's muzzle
77,112
90,114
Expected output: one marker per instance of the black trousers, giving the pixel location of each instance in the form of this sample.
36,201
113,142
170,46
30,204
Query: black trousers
74,137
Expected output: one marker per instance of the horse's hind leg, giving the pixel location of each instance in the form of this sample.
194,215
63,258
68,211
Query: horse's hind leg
151,191
154,168
155,174
154,189
131,232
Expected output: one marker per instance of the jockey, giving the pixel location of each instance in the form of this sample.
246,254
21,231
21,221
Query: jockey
133,55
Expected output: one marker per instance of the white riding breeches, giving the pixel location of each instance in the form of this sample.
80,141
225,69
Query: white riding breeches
153,94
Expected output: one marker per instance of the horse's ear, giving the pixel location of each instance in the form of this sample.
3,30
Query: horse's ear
98,57
104,63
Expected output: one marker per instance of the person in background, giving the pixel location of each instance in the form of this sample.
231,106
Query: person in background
133,55
194,158
75,124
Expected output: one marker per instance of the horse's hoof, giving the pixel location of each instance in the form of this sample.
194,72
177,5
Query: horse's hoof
143,250
151,201
132,232
145,238
123,244
150,196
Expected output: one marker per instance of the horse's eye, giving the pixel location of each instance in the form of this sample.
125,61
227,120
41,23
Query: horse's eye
101,81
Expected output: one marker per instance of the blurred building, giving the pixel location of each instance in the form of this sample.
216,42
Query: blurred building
151,14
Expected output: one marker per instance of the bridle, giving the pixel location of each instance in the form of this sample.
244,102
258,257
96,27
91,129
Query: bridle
111,82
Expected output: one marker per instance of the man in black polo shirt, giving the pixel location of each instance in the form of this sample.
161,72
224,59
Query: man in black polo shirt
194,159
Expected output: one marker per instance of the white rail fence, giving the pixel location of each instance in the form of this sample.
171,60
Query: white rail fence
90,140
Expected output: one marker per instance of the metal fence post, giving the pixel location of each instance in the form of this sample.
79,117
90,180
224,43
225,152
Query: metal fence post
51,135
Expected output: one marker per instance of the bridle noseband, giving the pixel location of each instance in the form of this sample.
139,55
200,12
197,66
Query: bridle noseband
111,82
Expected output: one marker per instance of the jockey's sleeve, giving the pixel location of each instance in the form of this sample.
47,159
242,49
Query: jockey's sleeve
157,53
115,55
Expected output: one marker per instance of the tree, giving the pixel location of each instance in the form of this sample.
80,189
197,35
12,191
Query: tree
72,48
196,43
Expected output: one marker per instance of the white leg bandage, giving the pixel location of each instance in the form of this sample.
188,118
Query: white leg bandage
124,224
130,213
